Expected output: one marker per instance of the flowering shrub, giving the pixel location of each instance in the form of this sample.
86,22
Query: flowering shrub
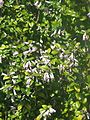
44,60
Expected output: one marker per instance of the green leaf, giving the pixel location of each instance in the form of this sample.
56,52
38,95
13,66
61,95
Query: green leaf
3,47
78,96
44,67
57,45
65,111
54,52
77,88
85,101
38,117
19,107
25,29
45,106
6,77
88,79
55,60
77,104
48,50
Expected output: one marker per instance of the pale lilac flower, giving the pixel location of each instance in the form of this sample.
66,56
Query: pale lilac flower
33,49
45,60
28,82
1,3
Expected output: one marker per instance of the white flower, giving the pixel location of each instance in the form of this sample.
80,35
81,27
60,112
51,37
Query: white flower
4,74
76,63
52,46
13,63
88,115
85,36
52,110
46,76
51,76
26,43
14,92
0,59
47,113
71,64
14,81
54,33
48,2
37,4
88,14
12,99
41,51
59,32
15,53
14,46
33,49
34,70
61,67
26,52
12,107
61,56
71,57
27,65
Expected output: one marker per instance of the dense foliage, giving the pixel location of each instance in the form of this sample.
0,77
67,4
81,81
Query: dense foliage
44,60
